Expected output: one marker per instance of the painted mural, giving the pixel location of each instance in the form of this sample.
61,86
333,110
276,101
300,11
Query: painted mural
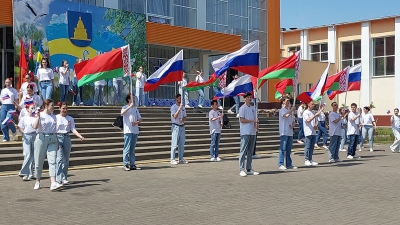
63,30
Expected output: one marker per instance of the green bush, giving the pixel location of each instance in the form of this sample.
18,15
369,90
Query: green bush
384,135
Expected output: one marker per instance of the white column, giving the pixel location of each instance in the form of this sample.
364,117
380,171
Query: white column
304,44
366,60
332,44
113,4
201,14
397,61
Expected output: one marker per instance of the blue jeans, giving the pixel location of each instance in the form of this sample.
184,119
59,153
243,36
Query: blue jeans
98,95
46,89
370,130
27,144
309,147
178,140
45,144
343,140
128,157
215,137
352,144
247,143
285,150
117,91
63,153
64,92
236,105
78,91
3,115
334,147
301,129
322,132
140,96
185,96
201,96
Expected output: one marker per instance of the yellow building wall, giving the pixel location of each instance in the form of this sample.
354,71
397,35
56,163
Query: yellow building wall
318,35
289,39
381,28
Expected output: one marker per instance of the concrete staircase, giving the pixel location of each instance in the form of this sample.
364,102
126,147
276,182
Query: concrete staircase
103,143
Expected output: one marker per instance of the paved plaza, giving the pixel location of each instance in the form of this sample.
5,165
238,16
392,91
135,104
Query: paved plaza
364,191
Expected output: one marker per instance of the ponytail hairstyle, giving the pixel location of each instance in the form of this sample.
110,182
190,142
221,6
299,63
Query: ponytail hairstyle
46,103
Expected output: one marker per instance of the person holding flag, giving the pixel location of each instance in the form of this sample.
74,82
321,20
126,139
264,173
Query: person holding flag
23,90
200,79
30,99
182,84
178,118
286,125
215,124
76,89
300,112
140,81
9,101
310,124
353,131
335,133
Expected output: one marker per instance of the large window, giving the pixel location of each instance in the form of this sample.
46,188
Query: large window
132,5
159,11
319,52
292,49
383,56
298,89
351,53
217,15
185,13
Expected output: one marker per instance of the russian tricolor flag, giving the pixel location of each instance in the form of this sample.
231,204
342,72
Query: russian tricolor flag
5,97
171,71
354,83
245,60
241,85
13,112
29,101
8,120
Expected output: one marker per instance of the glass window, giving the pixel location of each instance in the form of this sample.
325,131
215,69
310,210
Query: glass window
298,89
1,40
319,52
216,11
159,7
188,3
238,7
163,52
9,38
238,25
132,5
257,3
185,17
294,48
255,19
351,53
156,19
383,56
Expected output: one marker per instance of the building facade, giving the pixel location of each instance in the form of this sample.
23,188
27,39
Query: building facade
205,29
374,43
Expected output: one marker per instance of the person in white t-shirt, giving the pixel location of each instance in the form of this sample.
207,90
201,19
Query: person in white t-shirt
9,101
28,139
300,112
65,125
131,120
99,93
118,85
46,143
310,123
335,133
200,79
140,80
248,129
395,121
178,118
343,112
368,126
64,80
182,84
30,99
23,91
353,130
215,124
45,77
78,90
286,125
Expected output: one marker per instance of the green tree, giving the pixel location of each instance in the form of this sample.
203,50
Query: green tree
28,32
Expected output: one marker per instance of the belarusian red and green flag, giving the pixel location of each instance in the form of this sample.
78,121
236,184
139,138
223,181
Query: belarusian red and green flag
194,86
113,64
285,86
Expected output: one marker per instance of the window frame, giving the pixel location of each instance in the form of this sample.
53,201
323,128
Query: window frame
353,60
384,56
320,52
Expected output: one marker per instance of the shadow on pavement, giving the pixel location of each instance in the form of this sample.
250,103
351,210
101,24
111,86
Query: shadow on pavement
278,171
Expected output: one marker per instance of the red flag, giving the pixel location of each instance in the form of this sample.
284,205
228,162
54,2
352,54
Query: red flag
305,97
281,86
23,66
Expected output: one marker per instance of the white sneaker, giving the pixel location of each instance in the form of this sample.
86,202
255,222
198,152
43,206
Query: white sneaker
213,160
292,168
64,182
25,178
237,115
220,107
300,142
307,163
30,177
37,186
282,167
183,161
350,157
219,159
243,174
356,157
200,106
252,172
73,104
360,148
55,186
174,162
187,106
256,156
316,146
331,161
81,103
230,112
371,150
5,141
343,150
313,163
325,147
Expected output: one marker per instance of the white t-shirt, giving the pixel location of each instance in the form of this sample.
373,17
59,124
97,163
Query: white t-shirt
45,74
47,124
215,125
309,126
35,98
322,117
100,83
26,124
395,122
248,113
64,78
132,115
285,122
65,124
182,83
118,78
181,114
8,96
199,79
367,119
335,128
140,79
300,111
352,126
23,113
24,86
344,126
